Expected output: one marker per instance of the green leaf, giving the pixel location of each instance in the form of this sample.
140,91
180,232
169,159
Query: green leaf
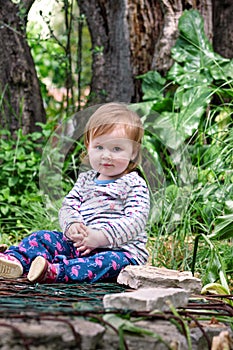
21,166
224,228
189,76
191,27
5,192
223,71
215,269
12,181
150,146
164,127
193,104
143,108
164,105
217,289
195,60
214,288
36,136
4,209
174,128
152,85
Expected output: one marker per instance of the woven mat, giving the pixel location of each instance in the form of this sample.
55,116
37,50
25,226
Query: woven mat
17,296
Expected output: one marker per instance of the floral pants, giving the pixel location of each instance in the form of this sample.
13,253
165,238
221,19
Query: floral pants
100,265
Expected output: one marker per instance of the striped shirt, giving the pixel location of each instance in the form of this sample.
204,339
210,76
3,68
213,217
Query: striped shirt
119,209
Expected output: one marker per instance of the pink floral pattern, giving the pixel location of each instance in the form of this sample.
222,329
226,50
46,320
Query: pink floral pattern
65,263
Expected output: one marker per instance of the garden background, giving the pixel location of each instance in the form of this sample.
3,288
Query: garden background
183,92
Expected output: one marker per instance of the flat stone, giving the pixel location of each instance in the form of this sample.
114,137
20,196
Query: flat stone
137,276
147,299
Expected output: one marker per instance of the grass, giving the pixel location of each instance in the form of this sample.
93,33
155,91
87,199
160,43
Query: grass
182,211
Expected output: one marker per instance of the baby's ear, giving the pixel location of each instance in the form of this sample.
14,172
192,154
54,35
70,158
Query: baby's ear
134,155
135,152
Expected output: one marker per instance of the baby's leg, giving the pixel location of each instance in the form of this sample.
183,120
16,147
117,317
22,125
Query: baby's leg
48,244
99,266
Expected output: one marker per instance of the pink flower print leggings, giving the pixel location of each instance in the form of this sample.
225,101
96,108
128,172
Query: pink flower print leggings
100,265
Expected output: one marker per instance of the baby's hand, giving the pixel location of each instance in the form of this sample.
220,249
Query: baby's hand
94,239
76,232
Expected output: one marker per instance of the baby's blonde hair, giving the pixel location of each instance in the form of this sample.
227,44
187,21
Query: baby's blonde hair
111,115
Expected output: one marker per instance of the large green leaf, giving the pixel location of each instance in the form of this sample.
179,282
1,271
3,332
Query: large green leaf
173,128
196,61
193,103
191,28
164,128
189,75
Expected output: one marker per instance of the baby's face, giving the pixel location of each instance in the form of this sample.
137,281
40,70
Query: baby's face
110,154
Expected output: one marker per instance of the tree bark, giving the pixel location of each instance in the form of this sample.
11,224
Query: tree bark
222,22
130,38
123,33
21,103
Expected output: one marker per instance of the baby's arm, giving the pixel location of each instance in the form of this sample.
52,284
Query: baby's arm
69,214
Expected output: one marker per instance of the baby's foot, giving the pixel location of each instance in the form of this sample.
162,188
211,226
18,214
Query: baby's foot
3,248
10,267
41,271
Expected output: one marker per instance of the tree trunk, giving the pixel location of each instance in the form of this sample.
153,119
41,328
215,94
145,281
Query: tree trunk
222,21
130,38
21,103
123,34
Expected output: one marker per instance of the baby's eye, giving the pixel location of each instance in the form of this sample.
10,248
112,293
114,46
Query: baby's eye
117,149
98,147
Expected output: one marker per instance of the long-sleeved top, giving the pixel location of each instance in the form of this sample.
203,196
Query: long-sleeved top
118,208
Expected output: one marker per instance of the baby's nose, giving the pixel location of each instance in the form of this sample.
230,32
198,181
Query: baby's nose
106,153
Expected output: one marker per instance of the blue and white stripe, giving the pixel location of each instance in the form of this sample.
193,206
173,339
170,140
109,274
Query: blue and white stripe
119,209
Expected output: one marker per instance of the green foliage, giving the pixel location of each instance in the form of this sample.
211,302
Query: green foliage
188,121
59,58
48,57
20,158
21,201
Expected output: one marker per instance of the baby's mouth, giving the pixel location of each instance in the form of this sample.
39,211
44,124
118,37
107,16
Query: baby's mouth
107,165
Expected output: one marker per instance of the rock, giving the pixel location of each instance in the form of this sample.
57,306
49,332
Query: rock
162,333
50,334
222,341
220,336
147,299
138,276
